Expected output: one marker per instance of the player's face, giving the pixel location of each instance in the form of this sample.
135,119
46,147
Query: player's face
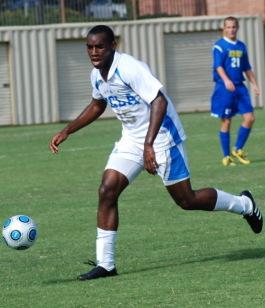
100,50
230,29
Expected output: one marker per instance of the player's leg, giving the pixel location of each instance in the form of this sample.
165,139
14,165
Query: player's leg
210,199
207,199
175,175
113,183
242,137
119,172
222,106
176,178
246,110
224,136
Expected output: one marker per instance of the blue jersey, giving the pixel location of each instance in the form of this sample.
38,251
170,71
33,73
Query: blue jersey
232,56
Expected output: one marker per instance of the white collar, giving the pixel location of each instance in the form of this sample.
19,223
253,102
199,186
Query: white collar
113,66
230,41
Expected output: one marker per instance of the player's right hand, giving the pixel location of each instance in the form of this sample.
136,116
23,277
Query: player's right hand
230,86
56,140
150,163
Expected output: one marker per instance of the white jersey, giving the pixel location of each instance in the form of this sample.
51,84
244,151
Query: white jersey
129,90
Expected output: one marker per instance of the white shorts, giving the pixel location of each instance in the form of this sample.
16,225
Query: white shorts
127,159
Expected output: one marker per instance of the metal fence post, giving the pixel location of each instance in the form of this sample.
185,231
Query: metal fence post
134,9
62,12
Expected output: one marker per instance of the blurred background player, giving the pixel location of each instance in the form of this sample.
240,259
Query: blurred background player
230,95
152,139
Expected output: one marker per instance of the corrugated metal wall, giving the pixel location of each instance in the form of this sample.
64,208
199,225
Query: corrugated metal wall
189,82
34,68
34,81
5,97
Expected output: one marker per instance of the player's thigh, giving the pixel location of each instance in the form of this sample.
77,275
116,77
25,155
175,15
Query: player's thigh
181,192
173,164
244,101
126,159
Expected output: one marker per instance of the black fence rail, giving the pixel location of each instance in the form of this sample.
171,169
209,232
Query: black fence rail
32,12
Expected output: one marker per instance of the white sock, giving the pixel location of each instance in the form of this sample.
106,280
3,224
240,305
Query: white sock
105,246
236,204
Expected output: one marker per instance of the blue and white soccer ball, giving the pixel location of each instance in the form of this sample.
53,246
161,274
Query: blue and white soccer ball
19,232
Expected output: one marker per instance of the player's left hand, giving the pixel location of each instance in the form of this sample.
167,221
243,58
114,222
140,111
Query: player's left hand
150,163
229,85
256,90
56,140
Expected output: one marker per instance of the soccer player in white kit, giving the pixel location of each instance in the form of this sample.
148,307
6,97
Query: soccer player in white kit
152,139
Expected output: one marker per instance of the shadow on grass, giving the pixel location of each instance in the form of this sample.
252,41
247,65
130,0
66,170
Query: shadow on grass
256,161
244,254
60,280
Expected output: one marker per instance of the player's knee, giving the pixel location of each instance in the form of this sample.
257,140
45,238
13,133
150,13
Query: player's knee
106,192
252,119
249,120
186,204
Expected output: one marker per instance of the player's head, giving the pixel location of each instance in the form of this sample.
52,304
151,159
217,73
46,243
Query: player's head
101,46
231,26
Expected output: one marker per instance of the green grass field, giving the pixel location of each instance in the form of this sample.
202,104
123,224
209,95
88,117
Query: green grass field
166,257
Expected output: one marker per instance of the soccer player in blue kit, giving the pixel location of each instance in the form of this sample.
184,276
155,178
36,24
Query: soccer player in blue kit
230,95
152,139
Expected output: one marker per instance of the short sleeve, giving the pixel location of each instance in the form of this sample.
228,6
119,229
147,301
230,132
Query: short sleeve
139,78
217,56
95,92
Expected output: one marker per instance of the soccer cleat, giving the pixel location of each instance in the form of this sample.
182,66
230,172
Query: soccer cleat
254,219
241,156
228,161
97,272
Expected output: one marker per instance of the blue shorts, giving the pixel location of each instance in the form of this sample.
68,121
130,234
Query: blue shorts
226,104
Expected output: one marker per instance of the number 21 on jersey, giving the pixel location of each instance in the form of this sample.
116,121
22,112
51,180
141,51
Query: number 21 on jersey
235,62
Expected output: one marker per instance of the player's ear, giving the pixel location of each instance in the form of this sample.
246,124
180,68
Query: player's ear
114,45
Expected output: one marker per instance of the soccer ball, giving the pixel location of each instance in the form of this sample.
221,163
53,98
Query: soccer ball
19,232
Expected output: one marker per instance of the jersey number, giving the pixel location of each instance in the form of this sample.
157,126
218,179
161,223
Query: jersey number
235,62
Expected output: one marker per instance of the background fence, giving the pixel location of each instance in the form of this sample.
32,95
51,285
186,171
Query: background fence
31,12
45,70
37,12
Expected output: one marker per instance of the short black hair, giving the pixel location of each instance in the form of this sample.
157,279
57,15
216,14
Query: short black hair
103,29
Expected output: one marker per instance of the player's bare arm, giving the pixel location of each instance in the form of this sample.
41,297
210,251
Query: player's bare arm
157,113
251,77
228,83
88,115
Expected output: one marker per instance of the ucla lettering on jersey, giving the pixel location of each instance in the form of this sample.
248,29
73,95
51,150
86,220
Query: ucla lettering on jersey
116,102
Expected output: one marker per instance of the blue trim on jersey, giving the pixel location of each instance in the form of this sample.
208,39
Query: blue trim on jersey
118,73
178,169
169,125
97,85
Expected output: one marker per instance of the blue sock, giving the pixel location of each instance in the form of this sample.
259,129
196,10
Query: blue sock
242,136
225,142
